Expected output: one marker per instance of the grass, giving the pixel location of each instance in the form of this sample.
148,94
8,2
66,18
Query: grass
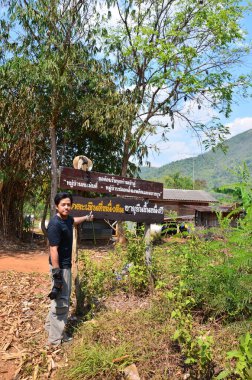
133,336
143,337
139,329
98,359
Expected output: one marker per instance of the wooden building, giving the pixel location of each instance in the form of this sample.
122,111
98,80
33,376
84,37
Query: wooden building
196,206
185,202
206,216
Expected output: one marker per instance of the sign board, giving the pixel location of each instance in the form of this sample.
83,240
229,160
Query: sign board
109,184
118,209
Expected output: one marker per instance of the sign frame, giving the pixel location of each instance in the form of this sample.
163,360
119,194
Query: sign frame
76,179
118,209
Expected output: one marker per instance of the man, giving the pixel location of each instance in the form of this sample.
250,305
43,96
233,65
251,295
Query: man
60,236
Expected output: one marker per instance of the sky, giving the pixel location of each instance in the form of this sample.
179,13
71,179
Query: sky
183,144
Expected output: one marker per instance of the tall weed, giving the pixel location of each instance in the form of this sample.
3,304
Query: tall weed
219,281
96,280
99,358
140,274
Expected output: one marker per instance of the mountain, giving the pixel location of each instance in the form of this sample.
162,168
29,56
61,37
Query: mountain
213,167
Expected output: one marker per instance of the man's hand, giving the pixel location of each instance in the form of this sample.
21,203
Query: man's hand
57,277
90,217
81,219
57,283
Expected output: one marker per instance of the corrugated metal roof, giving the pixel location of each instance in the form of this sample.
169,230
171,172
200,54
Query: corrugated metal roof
213,209
179,218
188,195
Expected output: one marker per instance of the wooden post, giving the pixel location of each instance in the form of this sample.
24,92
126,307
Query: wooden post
75,254
79,296
147,238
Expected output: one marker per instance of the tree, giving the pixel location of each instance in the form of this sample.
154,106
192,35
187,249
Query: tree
54,35
171,59
178,181
161,59
241,191
52,60
22,144
25,142
51,90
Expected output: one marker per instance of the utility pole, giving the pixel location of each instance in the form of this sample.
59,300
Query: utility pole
193,172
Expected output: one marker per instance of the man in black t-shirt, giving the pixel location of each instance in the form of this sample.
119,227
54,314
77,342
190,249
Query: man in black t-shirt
60,236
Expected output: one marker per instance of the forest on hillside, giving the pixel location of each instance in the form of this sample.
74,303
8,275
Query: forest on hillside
209,170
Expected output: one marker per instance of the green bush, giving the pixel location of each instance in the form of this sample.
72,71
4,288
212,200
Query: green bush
96,279
222,291
218,276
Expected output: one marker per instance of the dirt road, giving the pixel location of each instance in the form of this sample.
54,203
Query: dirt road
26,262
24,305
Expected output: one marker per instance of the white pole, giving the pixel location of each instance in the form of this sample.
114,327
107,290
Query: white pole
147,238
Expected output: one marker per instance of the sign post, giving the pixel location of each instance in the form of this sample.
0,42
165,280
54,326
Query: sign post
147,238
76,280
134,207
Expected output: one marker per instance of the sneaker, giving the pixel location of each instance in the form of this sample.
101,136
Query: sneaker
66,339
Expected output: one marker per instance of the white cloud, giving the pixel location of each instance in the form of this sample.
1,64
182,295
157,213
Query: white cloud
182,141
181,144
240,125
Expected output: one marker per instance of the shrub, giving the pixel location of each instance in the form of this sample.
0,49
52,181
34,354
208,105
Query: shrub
140,274
95,280
220,282
242,367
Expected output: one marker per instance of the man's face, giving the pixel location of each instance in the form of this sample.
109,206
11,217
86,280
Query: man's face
64,207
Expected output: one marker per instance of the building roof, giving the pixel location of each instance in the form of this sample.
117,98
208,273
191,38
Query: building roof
179,218
188,195
214,209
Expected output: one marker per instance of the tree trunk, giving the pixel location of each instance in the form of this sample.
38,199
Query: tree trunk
148,254
54,167
125,159
121,239
11,209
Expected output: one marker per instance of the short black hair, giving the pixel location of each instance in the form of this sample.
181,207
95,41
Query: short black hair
58,197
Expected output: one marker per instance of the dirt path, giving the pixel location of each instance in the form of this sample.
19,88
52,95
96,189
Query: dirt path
24,283
23,305
26,262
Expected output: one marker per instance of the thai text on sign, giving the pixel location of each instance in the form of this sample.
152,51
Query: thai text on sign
109,184
118,209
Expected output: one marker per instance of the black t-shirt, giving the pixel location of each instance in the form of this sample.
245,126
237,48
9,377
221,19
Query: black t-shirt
60,234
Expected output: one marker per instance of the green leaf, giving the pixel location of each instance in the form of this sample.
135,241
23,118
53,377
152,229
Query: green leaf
223,375
234,354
